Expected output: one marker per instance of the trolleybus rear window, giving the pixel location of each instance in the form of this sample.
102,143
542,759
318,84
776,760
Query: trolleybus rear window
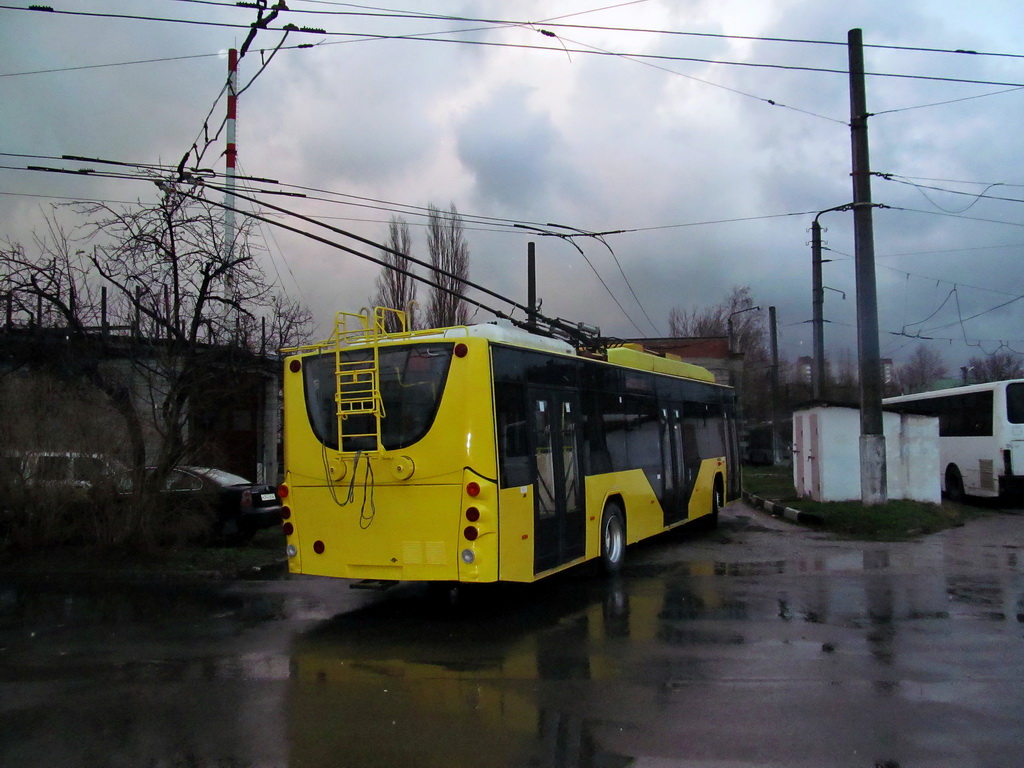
412,378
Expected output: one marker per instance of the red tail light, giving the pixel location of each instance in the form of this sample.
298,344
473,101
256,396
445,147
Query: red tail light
246,498
282,490
470,533
473,488
472,514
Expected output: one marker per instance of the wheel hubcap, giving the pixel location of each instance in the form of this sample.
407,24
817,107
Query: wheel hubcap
613,539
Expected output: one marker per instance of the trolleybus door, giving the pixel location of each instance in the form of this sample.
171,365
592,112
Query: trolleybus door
558,481
674,491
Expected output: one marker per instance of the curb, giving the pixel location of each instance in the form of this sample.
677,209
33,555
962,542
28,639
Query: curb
778,510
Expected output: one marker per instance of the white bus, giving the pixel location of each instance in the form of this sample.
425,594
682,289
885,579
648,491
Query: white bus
981,436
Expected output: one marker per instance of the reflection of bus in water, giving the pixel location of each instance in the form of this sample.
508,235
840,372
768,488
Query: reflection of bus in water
981,435
486,453
507,680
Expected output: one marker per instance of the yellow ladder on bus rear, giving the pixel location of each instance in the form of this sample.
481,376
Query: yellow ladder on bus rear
357,388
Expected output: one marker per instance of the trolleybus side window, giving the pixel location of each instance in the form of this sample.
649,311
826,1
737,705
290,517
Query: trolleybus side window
643,441
613,424
545,487
513,435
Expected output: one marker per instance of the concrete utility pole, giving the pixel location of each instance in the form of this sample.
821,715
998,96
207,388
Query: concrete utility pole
773,328
872,439
818,306
818,314
230,152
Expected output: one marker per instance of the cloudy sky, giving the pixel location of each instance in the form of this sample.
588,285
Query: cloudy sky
706,134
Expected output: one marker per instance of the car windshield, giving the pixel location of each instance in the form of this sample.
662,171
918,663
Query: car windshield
412,378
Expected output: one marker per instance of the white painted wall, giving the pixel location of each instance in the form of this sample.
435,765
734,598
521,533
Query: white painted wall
826,455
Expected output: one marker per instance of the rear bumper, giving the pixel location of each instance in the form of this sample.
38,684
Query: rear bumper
1011,485
258,519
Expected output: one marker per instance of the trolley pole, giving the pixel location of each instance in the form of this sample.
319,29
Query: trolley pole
531,284
872,439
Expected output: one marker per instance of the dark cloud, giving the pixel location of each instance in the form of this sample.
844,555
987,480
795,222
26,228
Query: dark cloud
513,152
677,154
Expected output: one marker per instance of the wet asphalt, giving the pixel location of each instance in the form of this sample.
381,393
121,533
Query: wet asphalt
761,644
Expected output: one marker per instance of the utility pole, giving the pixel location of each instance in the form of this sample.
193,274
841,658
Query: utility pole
818,315
728,325
818,306
772,326
230,152
872,439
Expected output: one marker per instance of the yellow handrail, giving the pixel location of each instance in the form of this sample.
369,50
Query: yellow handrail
357,381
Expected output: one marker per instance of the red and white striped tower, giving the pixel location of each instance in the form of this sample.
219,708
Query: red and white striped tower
230,153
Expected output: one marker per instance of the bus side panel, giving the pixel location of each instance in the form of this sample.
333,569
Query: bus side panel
976,459
385,532
644,515
515,510
700,499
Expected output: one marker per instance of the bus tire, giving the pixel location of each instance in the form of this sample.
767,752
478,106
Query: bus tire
954,484
716,504
613,538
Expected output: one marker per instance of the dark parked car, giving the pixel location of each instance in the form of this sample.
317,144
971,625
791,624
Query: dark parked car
237,507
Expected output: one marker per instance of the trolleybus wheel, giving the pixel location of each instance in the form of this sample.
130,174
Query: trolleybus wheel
613,538
711,521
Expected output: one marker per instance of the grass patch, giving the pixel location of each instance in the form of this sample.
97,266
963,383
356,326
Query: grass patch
773,483
266,548
262,554
893,521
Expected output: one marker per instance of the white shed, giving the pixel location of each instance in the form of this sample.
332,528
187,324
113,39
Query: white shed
826,455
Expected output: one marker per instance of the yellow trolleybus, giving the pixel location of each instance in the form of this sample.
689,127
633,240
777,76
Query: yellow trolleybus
487,453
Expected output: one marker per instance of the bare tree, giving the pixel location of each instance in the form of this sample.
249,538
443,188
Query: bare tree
998,366
397,289
749,337
449,259
844,377
749,332
919,374
156,288
56,286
